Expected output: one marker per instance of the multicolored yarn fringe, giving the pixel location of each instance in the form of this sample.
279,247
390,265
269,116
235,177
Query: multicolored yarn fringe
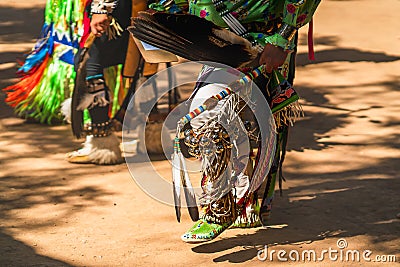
47,75
118,86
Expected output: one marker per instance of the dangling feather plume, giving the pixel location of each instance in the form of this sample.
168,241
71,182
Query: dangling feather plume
176,183
181,175
188,190
193,38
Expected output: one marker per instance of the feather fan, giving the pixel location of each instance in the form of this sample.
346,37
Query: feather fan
193,38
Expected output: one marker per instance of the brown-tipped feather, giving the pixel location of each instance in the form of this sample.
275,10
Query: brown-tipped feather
177,201
191,203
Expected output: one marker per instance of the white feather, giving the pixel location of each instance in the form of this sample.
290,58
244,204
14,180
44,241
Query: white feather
186,181
66,109
106,150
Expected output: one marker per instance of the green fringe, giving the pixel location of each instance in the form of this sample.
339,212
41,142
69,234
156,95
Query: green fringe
43,103
57,83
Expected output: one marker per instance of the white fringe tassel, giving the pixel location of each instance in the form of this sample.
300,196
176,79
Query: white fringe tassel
105,150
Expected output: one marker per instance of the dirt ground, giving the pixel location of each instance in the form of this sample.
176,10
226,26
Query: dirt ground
342,167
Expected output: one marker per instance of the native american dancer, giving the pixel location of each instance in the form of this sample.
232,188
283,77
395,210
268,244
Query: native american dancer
105,43
265,33
48,74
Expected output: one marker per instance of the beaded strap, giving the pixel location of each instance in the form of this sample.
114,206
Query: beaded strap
252,75
197,111
98,129
177,146
211,102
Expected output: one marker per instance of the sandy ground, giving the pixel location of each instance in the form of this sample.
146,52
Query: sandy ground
341,169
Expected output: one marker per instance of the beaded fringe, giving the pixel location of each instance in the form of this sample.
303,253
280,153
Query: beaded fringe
289,114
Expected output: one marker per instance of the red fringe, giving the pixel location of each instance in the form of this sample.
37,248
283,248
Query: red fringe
18,92
86,25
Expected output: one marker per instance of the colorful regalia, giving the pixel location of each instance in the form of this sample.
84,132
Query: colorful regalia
47,76
230,198
50,76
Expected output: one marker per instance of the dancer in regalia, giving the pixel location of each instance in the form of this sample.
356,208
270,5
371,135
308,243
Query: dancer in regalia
265,35
112,46
48,74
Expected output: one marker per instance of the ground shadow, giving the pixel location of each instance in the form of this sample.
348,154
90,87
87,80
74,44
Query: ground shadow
16,253
35,187
339,209
337,53
18,25
308,131
345,55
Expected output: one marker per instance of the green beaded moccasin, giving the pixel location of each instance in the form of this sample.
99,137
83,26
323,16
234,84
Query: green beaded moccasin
217,217
203,231
248,215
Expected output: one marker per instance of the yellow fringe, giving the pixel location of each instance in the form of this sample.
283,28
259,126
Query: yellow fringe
114,30
289,114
